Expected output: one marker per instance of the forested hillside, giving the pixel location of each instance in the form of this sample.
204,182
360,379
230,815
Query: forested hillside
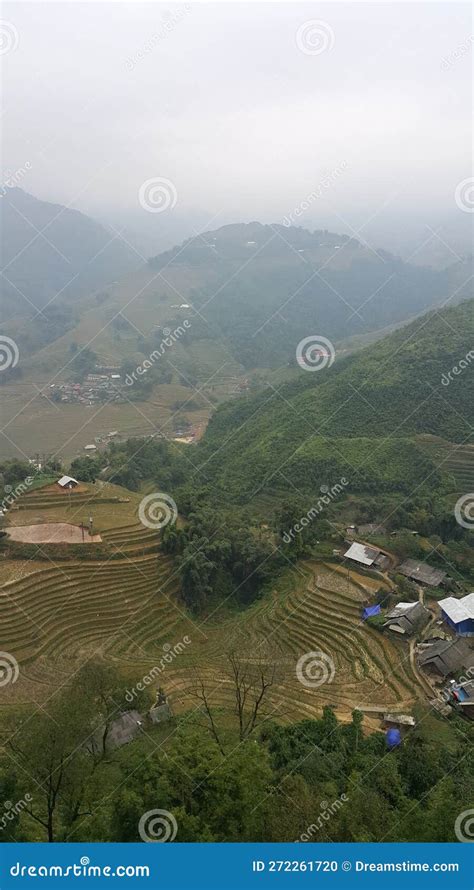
274,283
359,417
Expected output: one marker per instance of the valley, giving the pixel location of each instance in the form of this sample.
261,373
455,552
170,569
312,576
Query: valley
203,546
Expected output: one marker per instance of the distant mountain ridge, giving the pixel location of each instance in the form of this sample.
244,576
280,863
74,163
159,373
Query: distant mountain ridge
253,292
48,250
273,284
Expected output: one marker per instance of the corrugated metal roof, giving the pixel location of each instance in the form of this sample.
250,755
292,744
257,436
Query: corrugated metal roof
458,609
360,553
420,571
65,480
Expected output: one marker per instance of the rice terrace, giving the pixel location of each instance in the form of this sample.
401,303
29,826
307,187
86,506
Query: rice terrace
237,443
61,606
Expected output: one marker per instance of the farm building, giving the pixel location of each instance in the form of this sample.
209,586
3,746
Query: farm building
462,697
124,729
459,614
422,573
367,556
121,731
398,720
67,482
446,658
407,618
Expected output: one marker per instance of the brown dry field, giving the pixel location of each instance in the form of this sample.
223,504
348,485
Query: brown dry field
52,533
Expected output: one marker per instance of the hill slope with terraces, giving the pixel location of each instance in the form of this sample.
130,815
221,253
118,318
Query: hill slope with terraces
63,604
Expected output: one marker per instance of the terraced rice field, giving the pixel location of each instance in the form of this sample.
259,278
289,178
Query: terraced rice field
458,460
126,607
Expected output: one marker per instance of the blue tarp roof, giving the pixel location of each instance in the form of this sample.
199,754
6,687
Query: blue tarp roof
369,611
393,738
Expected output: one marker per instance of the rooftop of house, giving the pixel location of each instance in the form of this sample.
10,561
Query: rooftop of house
124,729
407,617
420,571
402,719
448,656
361,553
67,480
458,609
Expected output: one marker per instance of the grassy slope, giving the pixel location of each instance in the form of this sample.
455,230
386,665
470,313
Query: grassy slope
324,425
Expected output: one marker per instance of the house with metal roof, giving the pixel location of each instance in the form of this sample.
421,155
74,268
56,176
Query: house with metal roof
422,573
399,720
371,557
67,482
407,618
459,614
447,657
362,554
461,696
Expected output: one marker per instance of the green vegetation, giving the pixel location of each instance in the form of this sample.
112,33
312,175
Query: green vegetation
301,273
224,784
361,418
253,588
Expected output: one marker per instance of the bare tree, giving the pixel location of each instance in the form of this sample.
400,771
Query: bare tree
251,685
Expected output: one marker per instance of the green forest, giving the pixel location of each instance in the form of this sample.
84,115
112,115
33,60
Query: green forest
316,780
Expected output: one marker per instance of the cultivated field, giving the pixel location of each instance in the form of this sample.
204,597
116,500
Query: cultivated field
458,460
56,613
36,425
52,533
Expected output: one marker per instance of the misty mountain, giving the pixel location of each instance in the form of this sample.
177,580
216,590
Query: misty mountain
272,285
251,291
50,251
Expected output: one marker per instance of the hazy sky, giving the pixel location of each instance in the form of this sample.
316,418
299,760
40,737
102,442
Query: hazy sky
240,110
